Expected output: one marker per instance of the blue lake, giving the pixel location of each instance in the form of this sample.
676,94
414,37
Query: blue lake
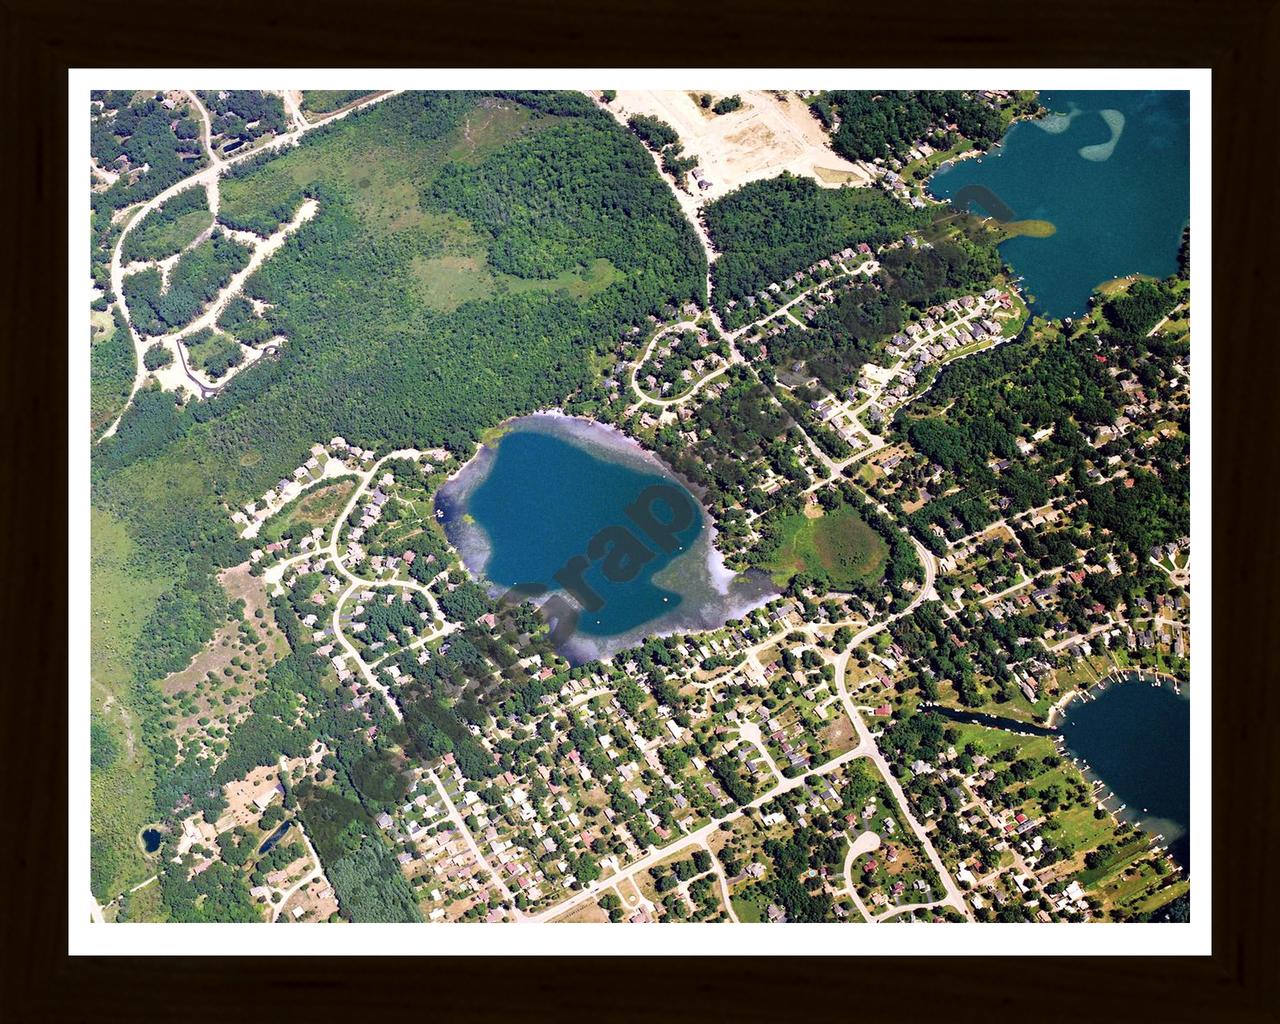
1110,170
528,507
1137,739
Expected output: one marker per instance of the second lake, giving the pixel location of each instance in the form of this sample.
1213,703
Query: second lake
1109,170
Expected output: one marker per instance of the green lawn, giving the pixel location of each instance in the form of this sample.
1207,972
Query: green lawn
840,545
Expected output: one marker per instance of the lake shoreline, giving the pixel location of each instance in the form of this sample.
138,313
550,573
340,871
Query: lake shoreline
1110,169
1168,834
709,593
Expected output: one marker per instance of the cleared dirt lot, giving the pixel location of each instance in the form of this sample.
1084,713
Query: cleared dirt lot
763,138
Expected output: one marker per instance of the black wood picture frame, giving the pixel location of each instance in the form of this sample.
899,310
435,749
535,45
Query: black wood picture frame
1236,38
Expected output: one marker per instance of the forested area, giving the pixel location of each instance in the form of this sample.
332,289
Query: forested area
195,281
169,228
112,363
243,115
871,124
218,894
240,320
213,352
571,193
366,359
1140,308
768,229
365,876
259,194
653,131
370,887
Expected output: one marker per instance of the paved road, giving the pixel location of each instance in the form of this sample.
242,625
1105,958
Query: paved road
693,839
455,816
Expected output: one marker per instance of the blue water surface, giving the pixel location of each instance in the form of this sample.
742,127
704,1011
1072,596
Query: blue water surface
1110,170
543,500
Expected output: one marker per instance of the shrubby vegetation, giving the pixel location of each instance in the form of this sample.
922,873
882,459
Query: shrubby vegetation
767,230
157,357
217,894
213,352
370,887
324,101
664,140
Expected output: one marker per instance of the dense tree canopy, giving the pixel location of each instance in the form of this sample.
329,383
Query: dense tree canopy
771,228
872,124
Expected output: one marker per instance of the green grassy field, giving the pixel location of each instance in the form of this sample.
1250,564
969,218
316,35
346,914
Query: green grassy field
120,788
838,544
317,507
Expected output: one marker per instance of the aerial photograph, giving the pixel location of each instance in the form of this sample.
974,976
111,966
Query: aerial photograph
636,506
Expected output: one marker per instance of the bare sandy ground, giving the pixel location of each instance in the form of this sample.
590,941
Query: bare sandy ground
761,139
